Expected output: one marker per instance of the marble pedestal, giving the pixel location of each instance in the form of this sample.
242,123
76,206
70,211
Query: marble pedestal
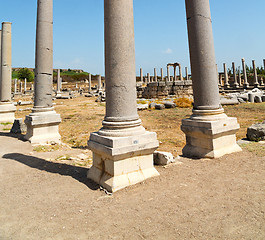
119,162
7,112
210,136
43,127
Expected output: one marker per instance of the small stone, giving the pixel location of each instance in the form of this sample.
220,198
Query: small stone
170,105
18,126
163,158
256,132
159,106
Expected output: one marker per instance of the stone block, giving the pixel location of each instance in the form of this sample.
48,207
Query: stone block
163,158
210,139
119,162
256,132
7,112
159,106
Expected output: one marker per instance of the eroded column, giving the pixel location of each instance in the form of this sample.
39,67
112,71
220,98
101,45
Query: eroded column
226,80
180,73
234,75
256,82
141,75
209,132
162,74
122,149
43,122
7,108
245,77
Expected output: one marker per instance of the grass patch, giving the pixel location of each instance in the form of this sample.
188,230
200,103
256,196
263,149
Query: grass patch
183,102
6,123
254,147
48,148
6,129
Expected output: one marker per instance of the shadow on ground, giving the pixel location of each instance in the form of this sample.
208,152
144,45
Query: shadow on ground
18,136
78,173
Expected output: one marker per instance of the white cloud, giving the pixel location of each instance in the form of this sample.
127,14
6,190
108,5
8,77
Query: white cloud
168,51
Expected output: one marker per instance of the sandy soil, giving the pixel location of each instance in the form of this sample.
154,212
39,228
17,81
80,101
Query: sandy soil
41,198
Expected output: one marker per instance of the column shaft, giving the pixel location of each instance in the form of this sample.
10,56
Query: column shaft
256,82
161,71
245,73
6,63
120,61
44,55
202,56
141,75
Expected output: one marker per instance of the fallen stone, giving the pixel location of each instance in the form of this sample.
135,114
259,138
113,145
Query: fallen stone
256,132
152,105
257,99
159,106
163,158
170,105
142,106
229,101
18,126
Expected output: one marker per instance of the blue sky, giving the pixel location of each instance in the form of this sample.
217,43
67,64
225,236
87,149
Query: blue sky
160,32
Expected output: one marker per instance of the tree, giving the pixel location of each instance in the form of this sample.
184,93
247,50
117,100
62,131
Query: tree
25,73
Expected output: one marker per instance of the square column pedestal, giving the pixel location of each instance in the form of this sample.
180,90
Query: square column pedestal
43,127
7,112
119,162
211,137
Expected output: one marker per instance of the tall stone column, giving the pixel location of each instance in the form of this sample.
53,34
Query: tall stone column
15,86
148,78
155,75
58,80
226,81
175,73
168,74
246,84
122,149
7,108
141,75
89,83
162,74
239,77
187,73
180,73
25,85
43,122
235,76
209,132
99,83
20,86
256,82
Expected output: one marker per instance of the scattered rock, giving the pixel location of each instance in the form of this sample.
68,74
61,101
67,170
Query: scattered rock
170,105
256,132
163,158
142,106
18,126
159,106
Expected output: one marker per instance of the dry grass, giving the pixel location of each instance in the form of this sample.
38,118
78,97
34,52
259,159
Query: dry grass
183,102
81,116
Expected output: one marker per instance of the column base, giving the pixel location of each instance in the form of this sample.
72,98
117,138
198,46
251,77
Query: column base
256,85
119,162
210,139
245,85
7,112
227,86
43,128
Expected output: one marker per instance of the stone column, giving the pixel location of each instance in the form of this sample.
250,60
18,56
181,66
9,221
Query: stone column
89,82
246,84
122,149
226,81
43,122
7,108
141,75
99,83
175,73
239,77
32,87
209,132
256,82
162,74
187,73
180,73
58,80
25,85
235,76
148,78
20,86
15,86
155,75
168,74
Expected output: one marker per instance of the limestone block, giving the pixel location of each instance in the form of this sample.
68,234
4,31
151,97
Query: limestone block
159,106
169,105
163,158
210,139
7,112
43,127
256,132
119,162
257,99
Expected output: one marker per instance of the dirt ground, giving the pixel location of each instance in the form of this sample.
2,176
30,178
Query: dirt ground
43,196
